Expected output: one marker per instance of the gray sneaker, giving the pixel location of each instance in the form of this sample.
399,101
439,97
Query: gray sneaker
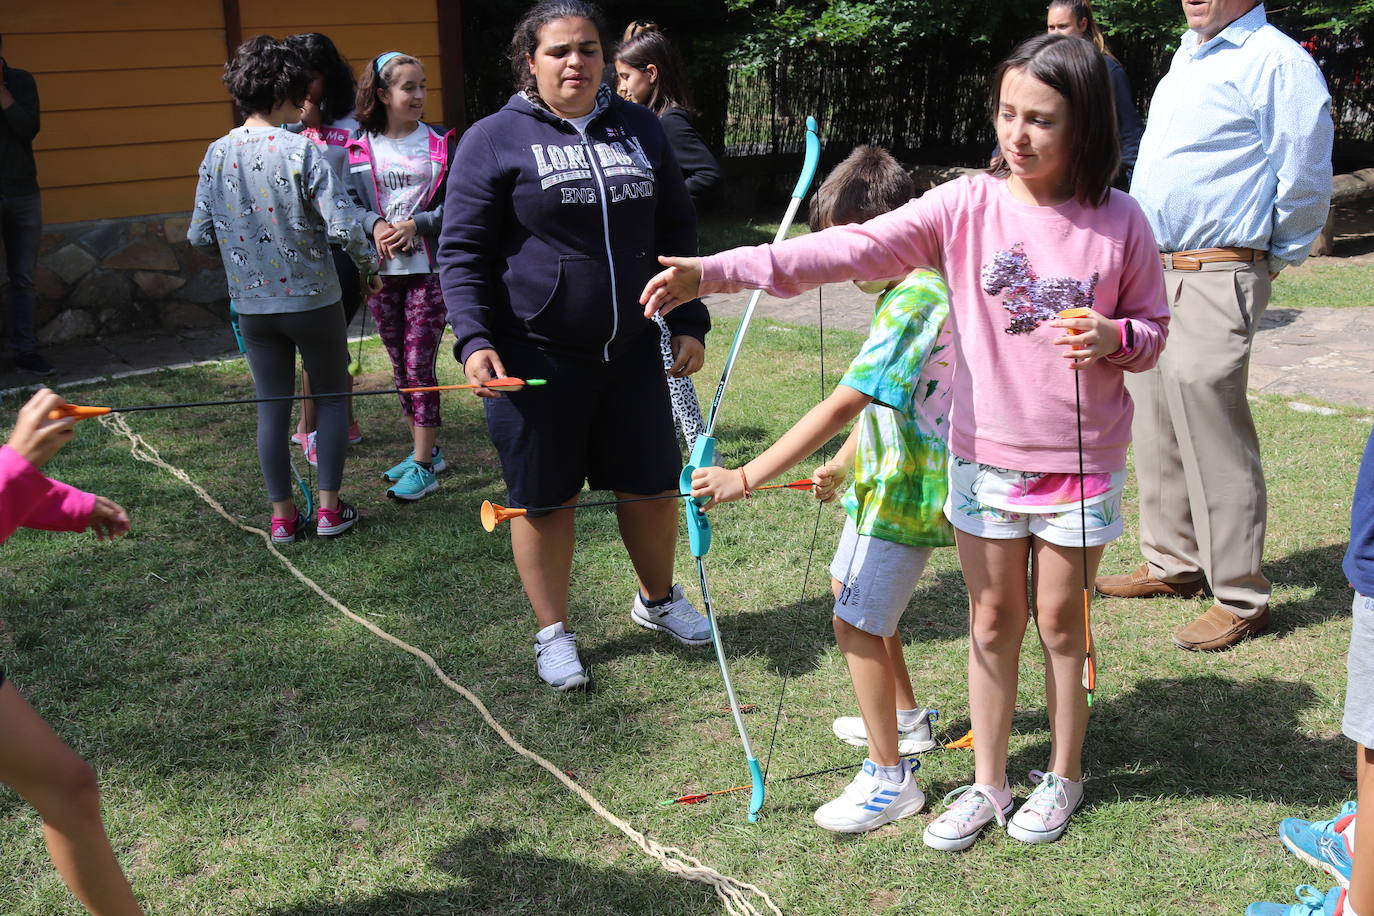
676,617
555,653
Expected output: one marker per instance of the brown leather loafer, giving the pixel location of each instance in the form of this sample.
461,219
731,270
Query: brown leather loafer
1219,629
1138,583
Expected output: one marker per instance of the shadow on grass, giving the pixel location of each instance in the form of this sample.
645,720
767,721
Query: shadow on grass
496,874
795,636
1319,569
1204,736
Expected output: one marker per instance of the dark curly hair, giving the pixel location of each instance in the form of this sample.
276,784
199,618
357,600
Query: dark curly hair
265,73
525,41
321,56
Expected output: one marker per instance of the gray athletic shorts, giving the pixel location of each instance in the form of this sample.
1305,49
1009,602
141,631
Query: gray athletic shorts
877,579
1359,665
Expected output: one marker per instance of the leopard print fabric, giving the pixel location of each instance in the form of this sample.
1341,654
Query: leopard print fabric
686,408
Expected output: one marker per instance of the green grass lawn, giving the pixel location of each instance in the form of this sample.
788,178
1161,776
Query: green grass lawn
1328,282
261,754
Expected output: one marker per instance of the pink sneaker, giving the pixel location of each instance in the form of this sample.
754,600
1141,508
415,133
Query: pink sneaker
307,443
334,522
355,435
959,826
284,529
1046,813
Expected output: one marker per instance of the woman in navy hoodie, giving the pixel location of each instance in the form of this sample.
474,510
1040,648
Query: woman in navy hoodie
557,208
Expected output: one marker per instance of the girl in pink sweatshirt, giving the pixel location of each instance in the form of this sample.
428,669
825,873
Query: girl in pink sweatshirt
33,760
1040,233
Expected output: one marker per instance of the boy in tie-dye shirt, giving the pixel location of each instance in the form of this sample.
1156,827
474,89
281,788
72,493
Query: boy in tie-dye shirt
898,388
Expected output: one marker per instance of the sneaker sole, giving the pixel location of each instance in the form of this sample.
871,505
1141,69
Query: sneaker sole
650,625
1035,836
1312,860
412,497
290,540
572,683
947,845
882,820
333,532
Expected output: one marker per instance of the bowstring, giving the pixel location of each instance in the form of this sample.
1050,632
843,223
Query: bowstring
811,552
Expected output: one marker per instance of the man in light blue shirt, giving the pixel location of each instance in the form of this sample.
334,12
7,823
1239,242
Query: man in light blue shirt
1234,175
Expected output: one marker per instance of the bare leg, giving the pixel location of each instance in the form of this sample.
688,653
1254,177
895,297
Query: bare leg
284,509
543,549
307,421
870,668
1058,587
425,438
62,788
1361,896
903,695
649,532
995,573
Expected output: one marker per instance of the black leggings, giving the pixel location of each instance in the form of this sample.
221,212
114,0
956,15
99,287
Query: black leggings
272,342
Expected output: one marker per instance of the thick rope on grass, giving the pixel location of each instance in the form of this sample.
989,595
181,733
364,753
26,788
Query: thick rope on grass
738,897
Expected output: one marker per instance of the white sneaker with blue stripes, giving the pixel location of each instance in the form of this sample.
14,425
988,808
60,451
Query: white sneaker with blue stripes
870,802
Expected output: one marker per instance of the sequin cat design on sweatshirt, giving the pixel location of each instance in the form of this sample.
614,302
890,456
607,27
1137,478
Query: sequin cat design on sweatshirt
1030,299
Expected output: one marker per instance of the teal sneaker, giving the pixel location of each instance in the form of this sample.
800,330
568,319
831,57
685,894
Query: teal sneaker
1321,844
1311,902
396,472
415,483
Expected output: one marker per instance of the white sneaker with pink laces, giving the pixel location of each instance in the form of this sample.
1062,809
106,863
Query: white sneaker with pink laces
977,806
1046,813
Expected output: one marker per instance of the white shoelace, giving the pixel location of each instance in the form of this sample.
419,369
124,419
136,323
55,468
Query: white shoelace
971,801
560,651
1049,796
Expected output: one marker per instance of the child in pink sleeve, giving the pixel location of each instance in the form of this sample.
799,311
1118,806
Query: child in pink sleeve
1040,233
34,761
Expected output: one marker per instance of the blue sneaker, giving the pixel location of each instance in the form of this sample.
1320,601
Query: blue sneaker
397,471
1311,902
415,483
1320,844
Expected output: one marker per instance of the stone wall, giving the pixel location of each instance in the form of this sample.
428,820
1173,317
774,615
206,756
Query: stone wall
109,276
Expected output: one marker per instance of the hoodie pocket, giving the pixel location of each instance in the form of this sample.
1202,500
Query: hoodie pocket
578,310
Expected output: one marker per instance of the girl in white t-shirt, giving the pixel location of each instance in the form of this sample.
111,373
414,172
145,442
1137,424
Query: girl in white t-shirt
397,167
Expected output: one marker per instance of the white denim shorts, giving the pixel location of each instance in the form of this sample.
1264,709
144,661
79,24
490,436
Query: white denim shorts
877,579
1063,528
1358,724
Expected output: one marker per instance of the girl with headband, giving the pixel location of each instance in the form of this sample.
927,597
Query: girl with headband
397,170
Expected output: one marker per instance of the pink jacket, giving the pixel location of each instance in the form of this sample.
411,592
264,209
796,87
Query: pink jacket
1010,268
30,500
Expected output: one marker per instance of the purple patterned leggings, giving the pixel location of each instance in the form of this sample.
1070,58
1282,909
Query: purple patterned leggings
410,317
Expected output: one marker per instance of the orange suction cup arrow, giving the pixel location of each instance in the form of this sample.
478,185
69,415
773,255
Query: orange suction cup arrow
493,515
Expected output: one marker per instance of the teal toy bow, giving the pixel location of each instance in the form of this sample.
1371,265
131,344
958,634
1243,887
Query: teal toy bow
704,455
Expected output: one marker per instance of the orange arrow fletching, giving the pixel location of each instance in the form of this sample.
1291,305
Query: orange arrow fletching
963,743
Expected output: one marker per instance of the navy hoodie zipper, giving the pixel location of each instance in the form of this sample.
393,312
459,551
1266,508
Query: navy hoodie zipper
601,109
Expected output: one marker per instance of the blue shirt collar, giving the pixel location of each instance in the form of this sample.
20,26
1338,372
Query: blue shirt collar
1237,33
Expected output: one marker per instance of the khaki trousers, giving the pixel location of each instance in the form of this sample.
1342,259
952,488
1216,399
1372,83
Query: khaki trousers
1202,497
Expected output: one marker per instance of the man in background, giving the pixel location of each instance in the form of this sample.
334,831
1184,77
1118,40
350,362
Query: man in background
1234,175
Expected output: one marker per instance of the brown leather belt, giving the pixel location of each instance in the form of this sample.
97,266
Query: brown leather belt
1193,260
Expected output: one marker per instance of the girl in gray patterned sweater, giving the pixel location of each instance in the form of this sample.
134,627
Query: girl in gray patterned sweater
269,203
